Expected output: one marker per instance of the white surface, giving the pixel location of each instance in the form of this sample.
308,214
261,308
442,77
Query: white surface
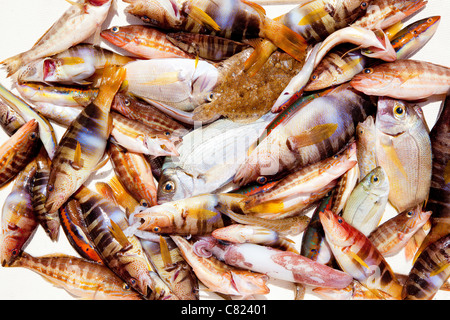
23,22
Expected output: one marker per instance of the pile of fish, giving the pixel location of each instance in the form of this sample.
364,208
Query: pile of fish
230,135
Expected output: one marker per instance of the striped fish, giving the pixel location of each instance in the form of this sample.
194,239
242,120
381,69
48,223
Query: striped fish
18,151
429,272
206,46
18,219
82,146
358,257
124,255
81,278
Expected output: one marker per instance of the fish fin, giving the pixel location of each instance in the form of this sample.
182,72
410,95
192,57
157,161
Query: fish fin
70,61
122,196
263,51
81,101
270,206
77,162
311,136
112,79
393,156
165,253
106,191
447,173
285,39
103,161
120,236
442,267
393,30
197,59
79,5
357,258
255,6
13,64
202,17
312,16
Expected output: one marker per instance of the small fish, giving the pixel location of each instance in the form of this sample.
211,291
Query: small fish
81,278
206,46
404,79
19,222
367,202
392,236
83,145
144,42
77,23
358,257
18,151
403,149
429,272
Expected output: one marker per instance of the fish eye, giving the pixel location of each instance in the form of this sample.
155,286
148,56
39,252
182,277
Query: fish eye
50,188
133,281
210,97
340,220
399,111
156,229
364,5
314,77
409,214
261,180
374,179
144,203
33,136
126,286
169,186
127,102
15,252
368,70
115,29
167,133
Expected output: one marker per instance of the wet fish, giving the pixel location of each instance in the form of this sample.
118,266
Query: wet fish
145,42
83,145
403,149
404,79
81,278
367,202
77,23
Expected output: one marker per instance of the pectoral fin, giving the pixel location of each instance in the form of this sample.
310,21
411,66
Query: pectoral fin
77,162
120,236
165,253
203,18
311,136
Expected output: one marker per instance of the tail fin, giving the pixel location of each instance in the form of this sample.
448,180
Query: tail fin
285,39
112,79
13,64
258,58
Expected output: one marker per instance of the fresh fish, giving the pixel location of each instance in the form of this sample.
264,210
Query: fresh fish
10,120
367,202
429,272
77,24
50,222
300,189
344,188
358,257
83,145
231,19
81,278
439,196
208,158
76,231
403,79
342,63
392,236
403,149
124,255
18,151
19,222
72,66
206,46
135,174
144,42
220,277
179,83
46,132
366,147
276,263
168,261
314,132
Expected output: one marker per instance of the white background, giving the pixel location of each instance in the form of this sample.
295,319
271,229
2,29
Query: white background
22,22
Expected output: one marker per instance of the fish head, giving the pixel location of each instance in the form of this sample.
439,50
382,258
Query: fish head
374,81
10,248
161,144
415,218
32,72
337,231
157,219
376,181
394,116
118,36
174,184
204,80
247,283
159,13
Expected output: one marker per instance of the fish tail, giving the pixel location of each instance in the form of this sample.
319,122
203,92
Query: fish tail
285,39
112,79
13,64
258,58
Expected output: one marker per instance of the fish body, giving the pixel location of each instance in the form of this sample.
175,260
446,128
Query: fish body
19,222
310,180
429,272
285,149
144,42
208,158
392,236
77,23
83,144
18,151
403,149
358,257
81,278
367,202
366,147
404,79
72,66
344,188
